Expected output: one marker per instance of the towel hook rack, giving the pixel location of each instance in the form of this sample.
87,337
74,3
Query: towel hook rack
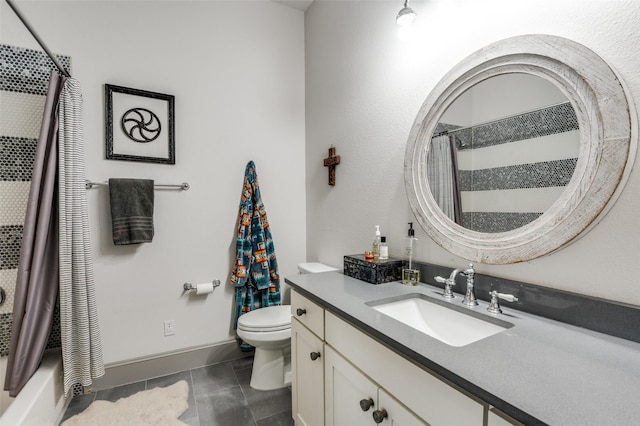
184,186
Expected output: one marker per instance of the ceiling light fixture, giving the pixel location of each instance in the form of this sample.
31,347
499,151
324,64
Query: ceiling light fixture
406,16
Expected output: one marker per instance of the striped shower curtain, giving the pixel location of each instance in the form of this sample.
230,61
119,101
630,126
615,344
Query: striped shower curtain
55,256
81,342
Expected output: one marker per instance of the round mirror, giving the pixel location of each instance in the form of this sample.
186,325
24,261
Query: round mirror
503,152
547,132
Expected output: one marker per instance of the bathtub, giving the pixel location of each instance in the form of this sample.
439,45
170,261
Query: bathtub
41,402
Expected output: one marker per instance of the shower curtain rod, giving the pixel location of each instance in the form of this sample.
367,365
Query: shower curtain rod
459,129
38,39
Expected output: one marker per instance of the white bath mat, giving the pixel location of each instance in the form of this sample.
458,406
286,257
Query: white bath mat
153,407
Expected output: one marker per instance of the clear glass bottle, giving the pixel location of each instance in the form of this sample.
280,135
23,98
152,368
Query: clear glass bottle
375,247
410,275
384,249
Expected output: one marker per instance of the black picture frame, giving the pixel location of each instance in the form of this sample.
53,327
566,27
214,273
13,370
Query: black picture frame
139,125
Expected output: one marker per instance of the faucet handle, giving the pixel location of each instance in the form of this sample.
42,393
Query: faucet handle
494,305
448,283
507,297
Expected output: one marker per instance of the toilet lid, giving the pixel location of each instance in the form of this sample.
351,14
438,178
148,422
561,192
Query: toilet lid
272,318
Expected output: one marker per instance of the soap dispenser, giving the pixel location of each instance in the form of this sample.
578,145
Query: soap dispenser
410,274
376,243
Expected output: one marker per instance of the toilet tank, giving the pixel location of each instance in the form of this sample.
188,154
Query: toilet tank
314,268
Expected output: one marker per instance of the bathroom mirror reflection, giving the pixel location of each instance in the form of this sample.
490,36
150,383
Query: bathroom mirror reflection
594,158
503,152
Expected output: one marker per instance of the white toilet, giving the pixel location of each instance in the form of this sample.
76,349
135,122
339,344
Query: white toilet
269,331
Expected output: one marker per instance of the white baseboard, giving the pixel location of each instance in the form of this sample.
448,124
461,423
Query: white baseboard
136,370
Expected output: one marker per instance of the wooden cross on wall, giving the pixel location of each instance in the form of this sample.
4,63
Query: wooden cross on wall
331,162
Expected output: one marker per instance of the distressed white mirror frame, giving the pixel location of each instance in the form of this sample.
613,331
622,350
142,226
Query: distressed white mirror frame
607,147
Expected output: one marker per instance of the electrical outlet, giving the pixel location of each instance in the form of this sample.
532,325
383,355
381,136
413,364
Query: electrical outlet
169,327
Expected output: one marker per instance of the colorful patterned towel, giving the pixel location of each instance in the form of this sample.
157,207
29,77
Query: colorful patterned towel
255,273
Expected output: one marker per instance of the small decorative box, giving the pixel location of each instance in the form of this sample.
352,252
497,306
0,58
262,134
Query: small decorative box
373,271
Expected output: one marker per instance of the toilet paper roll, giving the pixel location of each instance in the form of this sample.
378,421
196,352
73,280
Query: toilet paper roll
204,288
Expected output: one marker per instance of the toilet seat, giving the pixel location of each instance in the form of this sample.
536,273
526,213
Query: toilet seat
269,319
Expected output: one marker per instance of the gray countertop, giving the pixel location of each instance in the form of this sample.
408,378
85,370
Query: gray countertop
538,371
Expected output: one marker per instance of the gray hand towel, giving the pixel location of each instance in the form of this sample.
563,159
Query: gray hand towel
131,210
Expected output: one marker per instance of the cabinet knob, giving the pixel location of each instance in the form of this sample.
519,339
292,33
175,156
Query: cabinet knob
314,355
300,312
380,415
365,404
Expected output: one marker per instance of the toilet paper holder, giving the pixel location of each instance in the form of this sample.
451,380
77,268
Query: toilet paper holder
190,287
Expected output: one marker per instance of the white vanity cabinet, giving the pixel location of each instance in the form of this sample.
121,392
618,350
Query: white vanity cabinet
435,402
352,367
307,361
351,398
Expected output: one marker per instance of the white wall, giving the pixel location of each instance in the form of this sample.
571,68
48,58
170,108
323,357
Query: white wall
236,70
365,87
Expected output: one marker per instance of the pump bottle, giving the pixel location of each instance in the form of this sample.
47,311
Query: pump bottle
410,274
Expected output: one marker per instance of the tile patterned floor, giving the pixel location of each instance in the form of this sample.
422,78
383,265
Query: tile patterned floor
219,395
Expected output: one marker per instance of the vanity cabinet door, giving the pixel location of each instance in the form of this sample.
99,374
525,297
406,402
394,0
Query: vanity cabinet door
498,418
353,399
307,381
396,413
350,397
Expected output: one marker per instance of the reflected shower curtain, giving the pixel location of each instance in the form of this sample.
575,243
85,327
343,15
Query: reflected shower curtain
37,277
442,173
81,342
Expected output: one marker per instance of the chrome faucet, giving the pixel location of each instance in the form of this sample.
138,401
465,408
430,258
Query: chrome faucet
470,296
448,283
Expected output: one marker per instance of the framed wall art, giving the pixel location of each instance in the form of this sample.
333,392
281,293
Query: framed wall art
139,125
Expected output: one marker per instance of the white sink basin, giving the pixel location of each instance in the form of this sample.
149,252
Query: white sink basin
449,324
